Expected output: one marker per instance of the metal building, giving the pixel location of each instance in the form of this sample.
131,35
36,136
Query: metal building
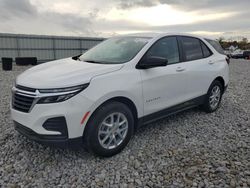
45,48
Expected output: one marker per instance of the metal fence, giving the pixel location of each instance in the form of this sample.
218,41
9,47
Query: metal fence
45,48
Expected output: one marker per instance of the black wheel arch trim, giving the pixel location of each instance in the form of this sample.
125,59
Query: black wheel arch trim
222,81
125,100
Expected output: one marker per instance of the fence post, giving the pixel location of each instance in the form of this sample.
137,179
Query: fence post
54,48
18,47
80,40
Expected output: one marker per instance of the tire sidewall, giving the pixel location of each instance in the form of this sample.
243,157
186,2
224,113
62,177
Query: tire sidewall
208,106
95,123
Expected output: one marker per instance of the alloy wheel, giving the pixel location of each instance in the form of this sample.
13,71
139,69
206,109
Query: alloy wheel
113,130
215,96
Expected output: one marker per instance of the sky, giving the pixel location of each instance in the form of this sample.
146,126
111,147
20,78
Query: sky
105,18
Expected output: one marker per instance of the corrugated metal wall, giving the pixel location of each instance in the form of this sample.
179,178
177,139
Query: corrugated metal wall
45,48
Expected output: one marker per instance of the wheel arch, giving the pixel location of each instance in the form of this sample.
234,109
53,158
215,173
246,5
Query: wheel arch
125,100
221,80
130,104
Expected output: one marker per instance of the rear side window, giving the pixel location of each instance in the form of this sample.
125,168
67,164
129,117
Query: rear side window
206,51
192,48
216,46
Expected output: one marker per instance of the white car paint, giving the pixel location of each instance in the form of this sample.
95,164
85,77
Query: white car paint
63,73
150,90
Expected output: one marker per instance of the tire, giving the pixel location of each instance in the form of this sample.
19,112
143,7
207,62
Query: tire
208,106
97,134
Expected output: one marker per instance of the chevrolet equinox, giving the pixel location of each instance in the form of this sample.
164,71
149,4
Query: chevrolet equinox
100,98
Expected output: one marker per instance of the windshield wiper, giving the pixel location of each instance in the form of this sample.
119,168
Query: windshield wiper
92,61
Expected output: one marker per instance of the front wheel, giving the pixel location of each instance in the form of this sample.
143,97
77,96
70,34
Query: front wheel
109,129
213,97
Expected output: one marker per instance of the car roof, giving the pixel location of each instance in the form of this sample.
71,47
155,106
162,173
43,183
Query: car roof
157,35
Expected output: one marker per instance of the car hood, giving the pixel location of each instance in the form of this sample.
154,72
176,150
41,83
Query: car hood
63,73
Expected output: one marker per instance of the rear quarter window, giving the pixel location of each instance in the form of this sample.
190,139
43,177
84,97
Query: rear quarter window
216,45
206,50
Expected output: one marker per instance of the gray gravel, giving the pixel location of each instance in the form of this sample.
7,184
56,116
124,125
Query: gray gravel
190,149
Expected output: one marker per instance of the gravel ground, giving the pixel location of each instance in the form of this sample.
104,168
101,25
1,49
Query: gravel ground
190,149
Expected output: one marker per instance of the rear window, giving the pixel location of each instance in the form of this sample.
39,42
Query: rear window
216,46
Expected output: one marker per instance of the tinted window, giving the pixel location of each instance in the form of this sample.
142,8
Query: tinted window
192,48
216,46
206,51
166,48
246,53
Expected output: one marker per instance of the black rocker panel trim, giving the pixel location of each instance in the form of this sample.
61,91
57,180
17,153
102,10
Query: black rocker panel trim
171,110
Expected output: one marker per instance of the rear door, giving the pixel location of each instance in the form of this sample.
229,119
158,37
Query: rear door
199,66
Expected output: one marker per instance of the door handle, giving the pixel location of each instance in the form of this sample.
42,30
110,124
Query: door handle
180,69
210,62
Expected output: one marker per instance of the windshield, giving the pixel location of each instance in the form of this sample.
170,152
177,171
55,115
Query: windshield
115,50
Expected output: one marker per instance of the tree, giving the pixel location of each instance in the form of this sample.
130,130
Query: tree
221,40
243,43
244,40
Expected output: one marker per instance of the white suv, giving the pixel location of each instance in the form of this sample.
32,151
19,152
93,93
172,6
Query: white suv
100,98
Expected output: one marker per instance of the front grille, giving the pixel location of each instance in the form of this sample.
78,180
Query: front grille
26,88
23,100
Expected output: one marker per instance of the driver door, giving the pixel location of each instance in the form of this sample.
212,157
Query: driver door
165,86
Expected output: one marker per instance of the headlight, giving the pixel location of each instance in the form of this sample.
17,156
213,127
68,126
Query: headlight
59,94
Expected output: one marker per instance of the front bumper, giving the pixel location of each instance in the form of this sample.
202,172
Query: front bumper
73,110
51,140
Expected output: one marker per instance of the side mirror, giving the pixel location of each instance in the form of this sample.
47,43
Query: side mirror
76,57
153,61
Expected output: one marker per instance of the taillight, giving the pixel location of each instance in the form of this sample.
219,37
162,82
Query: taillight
228,60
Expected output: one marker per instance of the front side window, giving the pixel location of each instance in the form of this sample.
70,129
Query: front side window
115,50
165,48
192,48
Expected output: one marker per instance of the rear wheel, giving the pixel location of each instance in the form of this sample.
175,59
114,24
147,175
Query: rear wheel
109,129
213,97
